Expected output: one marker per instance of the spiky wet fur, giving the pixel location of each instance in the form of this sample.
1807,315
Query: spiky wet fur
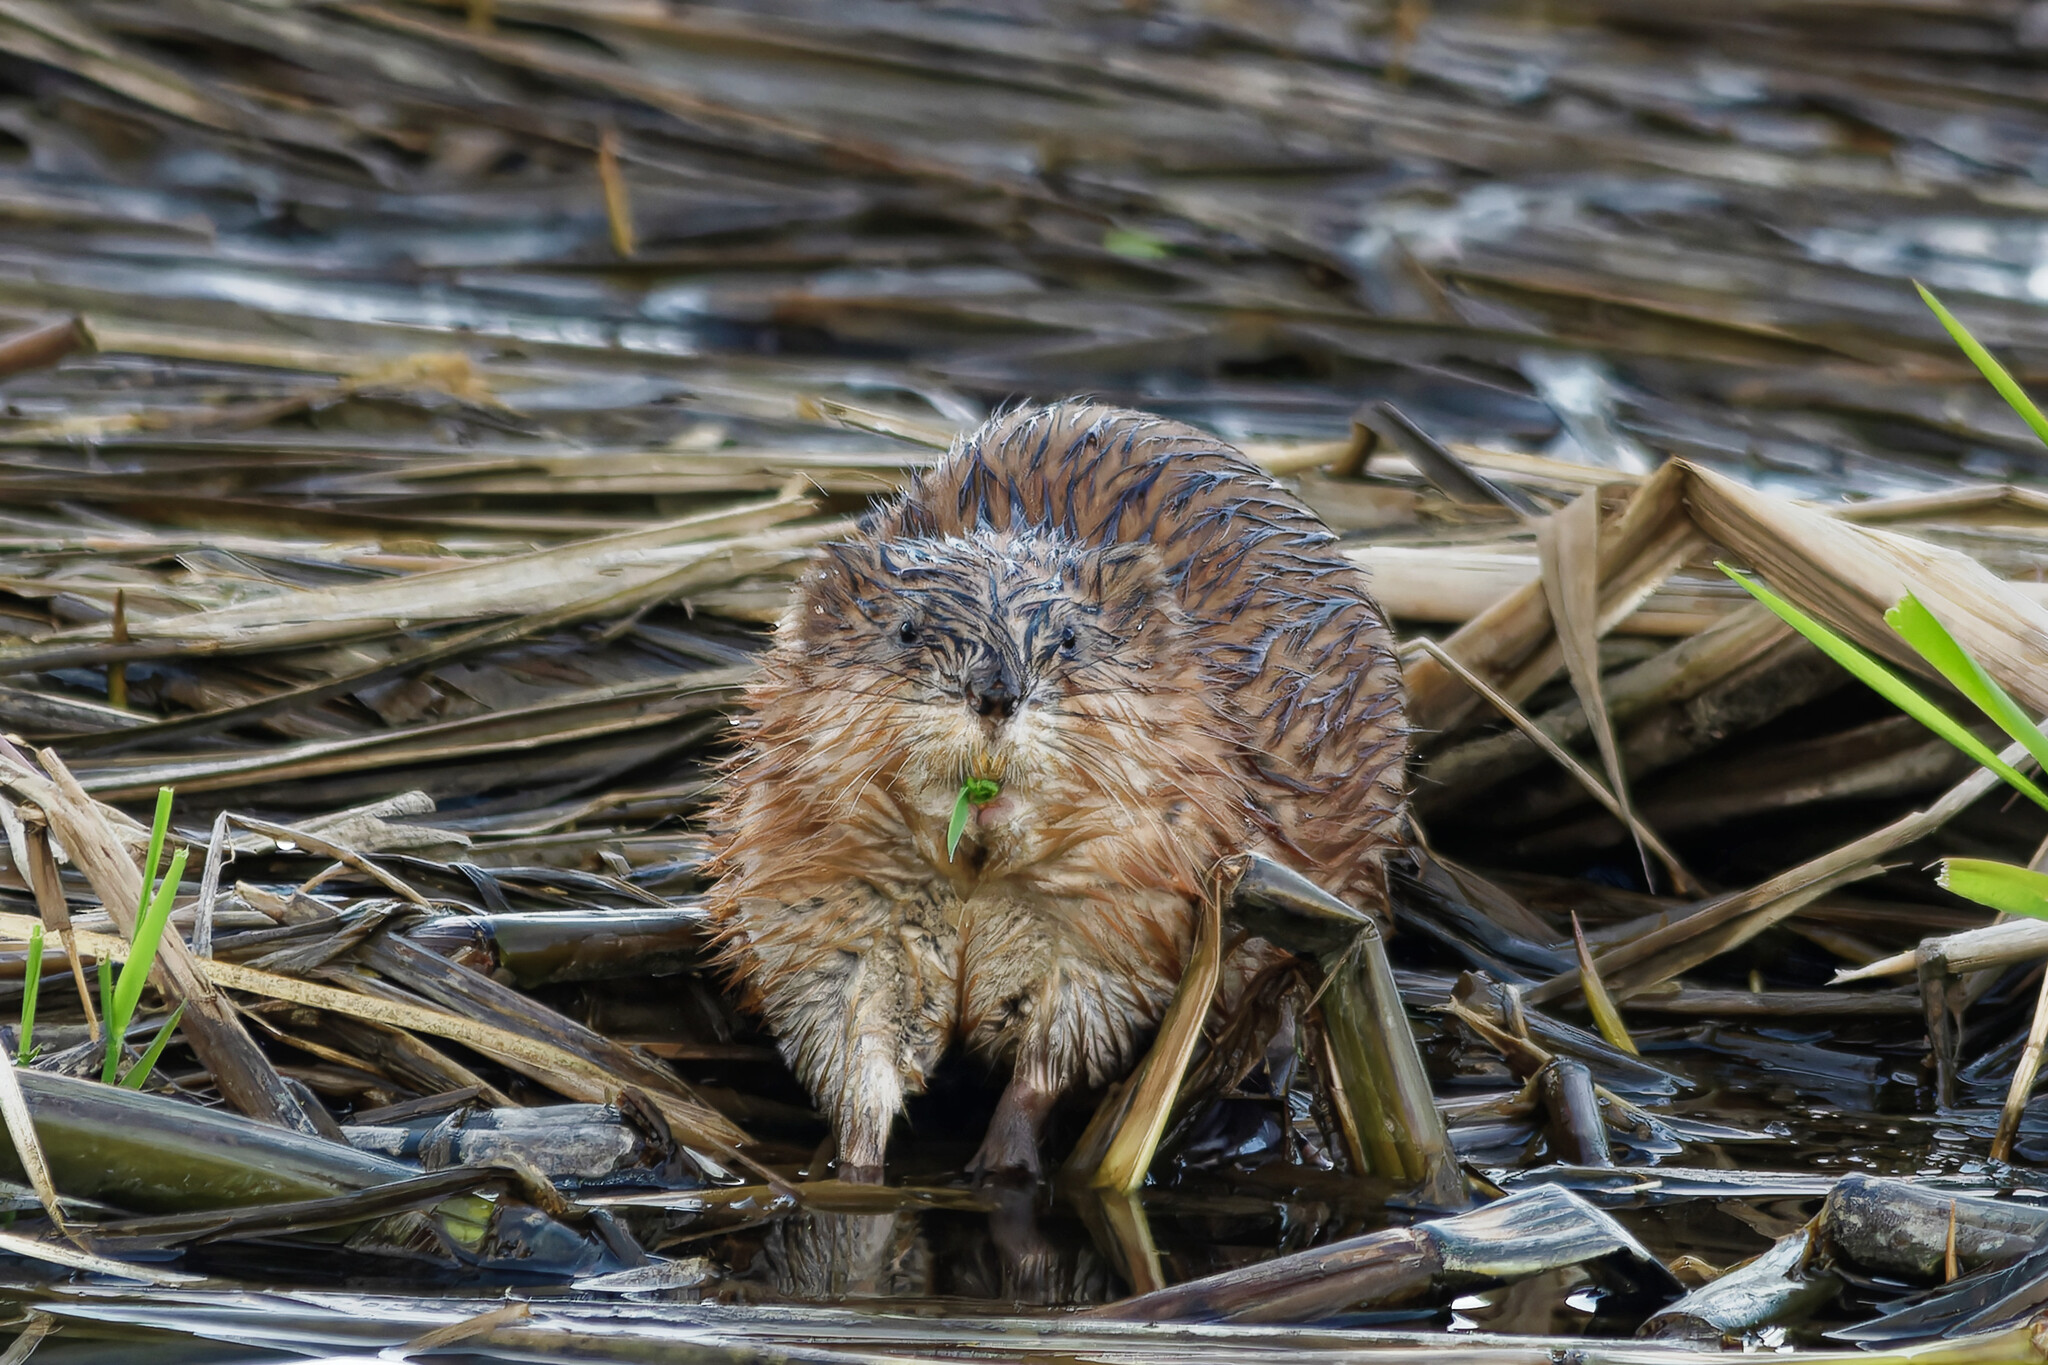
1198,672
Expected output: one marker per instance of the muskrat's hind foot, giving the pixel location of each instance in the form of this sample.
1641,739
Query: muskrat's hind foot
1010,1148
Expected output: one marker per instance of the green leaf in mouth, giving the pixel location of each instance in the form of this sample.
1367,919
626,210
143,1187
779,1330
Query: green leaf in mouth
976,791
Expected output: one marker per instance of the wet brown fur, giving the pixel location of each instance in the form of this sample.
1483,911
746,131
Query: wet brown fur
1197,672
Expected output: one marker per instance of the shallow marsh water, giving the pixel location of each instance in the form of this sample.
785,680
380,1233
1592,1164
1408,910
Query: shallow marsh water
947,1251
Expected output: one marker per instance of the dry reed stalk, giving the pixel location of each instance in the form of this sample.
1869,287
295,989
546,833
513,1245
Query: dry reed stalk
1156,1082
1849,575
1567,541
705,1131
244,1075
1683,879
1513,644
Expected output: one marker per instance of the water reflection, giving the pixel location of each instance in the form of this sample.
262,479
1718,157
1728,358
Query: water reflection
1009,1254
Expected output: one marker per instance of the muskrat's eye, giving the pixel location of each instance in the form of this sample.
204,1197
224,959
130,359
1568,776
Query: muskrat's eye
907,633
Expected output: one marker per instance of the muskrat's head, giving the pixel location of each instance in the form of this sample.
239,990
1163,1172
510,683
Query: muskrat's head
1020,657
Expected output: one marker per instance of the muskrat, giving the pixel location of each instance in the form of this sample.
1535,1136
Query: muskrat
1160,656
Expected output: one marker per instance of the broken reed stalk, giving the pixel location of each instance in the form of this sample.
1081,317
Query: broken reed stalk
1722,669
1577,1130
241,1071
117,671
22,1347
1773,1288
1513,643
209,887
1972,950
440,1338
36,347
48,890
1606,1017
1374,1072
1567,545
618,204
286,836
723,544
1384,1084
1664,950
416,659
1155,1085
1542,1228
71,1258
2024,1072
704,1131
1681,878
28,1147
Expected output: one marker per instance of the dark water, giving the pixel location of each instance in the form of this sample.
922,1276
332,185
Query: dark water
936,1249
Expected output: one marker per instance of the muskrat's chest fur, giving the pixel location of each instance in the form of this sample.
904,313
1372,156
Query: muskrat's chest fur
1158,655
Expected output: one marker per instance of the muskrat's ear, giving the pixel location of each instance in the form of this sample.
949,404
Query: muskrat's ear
1125,576
840,589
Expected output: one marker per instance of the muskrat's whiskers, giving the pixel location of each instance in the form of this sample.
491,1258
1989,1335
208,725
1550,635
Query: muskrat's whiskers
745,761
1198,800
1231,738
851,801
1101,766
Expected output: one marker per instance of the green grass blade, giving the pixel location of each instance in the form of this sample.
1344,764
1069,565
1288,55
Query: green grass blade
2002,886
139,1073
157,830
31,985
1890,686
2008,387
1920,628
149,932
127,992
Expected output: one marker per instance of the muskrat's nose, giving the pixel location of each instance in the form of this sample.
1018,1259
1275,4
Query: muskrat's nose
993,698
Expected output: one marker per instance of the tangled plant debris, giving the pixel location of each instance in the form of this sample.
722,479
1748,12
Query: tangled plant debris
413,413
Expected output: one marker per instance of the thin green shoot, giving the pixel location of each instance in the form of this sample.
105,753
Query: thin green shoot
158,829
1890,686
1136,245
2002,886
31,985
139,1073
149,932
976,791
1920,628
2008,387
142,953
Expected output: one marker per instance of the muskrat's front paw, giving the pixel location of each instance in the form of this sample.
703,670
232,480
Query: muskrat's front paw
1009,1152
